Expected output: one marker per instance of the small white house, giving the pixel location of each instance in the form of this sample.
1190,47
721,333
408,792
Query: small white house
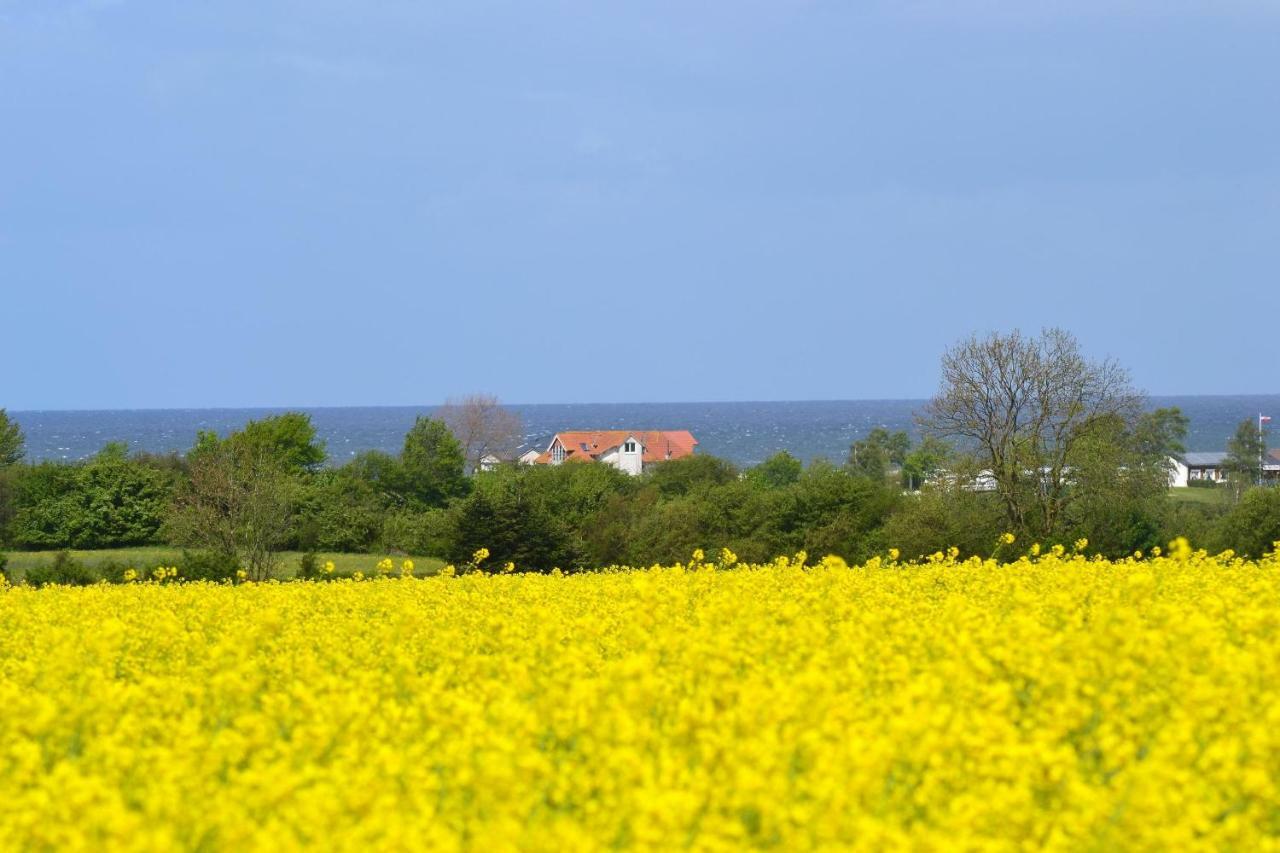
1206,466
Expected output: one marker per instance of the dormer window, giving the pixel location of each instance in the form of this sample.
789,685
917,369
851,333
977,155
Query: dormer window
557,452
629,447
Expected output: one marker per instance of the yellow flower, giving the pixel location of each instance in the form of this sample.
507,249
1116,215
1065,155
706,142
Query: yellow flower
698,556
997,707
508,567
130,574
358,575
385,565
894,554
1007,538
241,574
328,567
406,567
1035,549
1081,544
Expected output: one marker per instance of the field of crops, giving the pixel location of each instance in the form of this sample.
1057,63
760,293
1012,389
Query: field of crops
1056,701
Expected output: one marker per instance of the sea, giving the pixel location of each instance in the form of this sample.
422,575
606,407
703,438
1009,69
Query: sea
745,433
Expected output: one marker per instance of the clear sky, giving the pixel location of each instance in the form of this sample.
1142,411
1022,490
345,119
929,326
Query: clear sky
384,202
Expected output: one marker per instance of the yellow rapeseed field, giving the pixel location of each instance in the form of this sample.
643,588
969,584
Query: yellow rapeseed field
1057,701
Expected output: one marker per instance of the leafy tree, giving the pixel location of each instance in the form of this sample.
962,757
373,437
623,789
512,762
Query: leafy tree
1023,406
1252,525
513,529
11,440
690,474
779,470
924,462
335,511
828,511
110,501
289,438
872,456
237,502
1245,452
432,464
1161,433
1120,484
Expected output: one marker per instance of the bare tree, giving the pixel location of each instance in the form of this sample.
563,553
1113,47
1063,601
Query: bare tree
237,501
483,426
1023,406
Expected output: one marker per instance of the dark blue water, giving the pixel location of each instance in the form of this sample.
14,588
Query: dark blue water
743,432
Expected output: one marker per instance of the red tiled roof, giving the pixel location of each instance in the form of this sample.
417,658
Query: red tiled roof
659,445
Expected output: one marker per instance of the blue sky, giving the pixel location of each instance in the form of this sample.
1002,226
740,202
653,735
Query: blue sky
351,203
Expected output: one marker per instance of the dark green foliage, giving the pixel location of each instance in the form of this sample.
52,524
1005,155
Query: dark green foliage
873,456
308,566
824,510
1120,482
337,511
513,525
1245,451
207,566
11,440
1161,433
942,516
779,470
432,465
63,570
1202,484
412,531
1198,521
690,474
1251,526
112,571
924,462
4,564
289,438
110,501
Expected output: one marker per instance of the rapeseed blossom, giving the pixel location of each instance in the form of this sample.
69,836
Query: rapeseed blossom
1058,702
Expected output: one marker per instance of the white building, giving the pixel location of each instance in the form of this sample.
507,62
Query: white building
630,451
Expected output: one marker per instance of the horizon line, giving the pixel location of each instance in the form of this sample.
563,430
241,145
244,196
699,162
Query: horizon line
296,407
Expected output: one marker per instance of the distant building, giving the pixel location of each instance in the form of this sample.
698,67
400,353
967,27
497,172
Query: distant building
630,451
529,457
489,461
1200,465
1212,467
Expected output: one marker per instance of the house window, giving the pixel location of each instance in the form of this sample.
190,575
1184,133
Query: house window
629,447
557,453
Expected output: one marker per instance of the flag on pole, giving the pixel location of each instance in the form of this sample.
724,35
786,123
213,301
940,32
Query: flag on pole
1264,419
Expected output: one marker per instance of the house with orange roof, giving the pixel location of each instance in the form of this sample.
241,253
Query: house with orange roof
630,451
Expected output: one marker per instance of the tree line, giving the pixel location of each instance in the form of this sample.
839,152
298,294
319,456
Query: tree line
1025,436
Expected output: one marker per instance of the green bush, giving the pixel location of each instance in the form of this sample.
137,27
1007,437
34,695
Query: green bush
1202,484
1252,526
308,567
112,571
207,566
4,572
64,570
